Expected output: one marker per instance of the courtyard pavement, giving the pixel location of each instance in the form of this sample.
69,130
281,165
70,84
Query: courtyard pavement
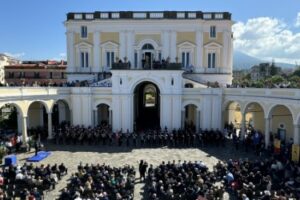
72,155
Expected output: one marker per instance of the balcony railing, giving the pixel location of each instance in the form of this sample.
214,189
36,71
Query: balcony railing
155,66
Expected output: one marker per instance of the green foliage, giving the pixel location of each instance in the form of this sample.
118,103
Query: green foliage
297,72
9,121
273,70
277,79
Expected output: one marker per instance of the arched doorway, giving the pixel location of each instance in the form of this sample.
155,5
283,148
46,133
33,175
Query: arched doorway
191,117
255,117
146,106
281,123
9,122
103,115
60,113
37,120
233,115
148,53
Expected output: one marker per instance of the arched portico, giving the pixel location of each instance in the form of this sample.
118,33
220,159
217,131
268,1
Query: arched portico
103,115
9,118
146,52
60,112
191,117
40,117
281,122
146,109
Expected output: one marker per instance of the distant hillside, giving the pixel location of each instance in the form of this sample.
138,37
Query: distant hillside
244,61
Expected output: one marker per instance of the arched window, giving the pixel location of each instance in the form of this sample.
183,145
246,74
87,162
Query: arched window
149,95
189,85
147,47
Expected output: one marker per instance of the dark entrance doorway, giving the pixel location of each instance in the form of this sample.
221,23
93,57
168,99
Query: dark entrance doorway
146,106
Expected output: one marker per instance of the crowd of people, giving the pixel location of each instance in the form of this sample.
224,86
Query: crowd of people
29,181
103,135
182,181
268,179
101,182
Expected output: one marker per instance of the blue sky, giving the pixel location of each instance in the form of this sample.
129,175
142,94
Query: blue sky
33,29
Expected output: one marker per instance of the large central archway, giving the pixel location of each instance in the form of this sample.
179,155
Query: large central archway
146,106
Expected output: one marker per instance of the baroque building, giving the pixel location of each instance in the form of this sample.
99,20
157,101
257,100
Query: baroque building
197,41
159,64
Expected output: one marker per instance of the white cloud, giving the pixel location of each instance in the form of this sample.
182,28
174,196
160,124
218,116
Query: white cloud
266,38
297,24
15,55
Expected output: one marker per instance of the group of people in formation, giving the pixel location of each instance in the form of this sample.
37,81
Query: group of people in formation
103,135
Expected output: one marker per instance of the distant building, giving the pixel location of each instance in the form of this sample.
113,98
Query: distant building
36,73
5,60
238,74
263,70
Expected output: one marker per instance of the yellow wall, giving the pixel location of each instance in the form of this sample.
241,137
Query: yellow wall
192,113
186,36
259,121
110,36
34,115
281,115
140,37
218,39
78,39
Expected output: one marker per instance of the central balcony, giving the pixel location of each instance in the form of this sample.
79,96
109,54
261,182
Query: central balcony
154,66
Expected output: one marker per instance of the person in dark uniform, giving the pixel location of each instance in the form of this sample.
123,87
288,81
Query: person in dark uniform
36,147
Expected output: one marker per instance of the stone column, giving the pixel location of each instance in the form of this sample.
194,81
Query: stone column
165,44
243,126
173,46
122,39
24,129
130,50
96,41
182,118
19,123
49,125
267,132
199,50
225,50
297,134
70,52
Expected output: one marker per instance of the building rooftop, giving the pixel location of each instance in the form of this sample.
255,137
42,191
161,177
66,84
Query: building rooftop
38,64
142,15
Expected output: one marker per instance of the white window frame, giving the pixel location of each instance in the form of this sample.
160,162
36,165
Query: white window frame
213,47
84,47
210,32
109,65
187,47
109,47
211,60
81,32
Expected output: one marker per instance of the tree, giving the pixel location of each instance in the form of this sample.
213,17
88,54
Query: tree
273,69
277,79
297,72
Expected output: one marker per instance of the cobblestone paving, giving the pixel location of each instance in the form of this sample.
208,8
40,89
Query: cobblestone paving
71,156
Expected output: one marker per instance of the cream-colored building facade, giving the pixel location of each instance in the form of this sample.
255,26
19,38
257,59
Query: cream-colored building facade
4,61
196,40
146,93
